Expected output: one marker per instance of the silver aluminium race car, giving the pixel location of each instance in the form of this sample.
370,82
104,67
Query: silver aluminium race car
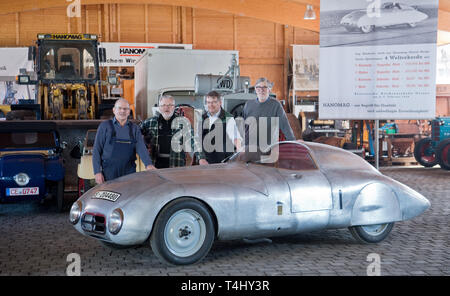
295,187
389,14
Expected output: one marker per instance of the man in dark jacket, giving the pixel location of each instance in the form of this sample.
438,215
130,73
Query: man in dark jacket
220,135
116,143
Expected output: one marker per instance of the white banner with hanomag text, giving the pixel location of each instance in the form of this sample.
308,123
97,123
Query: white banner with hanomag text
119,54
377,59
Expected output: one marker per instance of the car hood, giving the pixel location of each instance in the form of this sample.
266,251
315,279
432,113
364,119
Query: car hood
233,174
136,184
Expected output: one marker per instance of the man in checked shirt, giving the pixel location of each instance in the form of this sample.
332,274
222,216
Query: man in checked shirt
159,132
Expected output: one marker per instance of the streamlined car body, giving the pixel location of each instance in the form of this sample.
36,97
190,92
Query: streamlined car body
389,14
294,187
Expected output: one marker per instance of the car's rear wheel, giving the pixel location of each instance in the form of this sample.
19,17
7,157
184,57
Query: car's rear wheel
367,28
183,232
424,153
370,234
443,154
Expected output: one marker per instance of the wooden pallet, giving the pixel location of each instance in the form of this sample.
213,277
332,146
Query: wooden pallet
400,161
404,161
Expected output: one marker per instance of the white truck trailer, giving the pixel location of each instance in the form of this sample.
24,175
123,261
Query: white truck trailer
174,71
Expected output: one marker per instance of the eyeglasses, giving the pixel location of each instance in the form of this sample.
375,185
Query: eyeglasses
123,108
261,87
169,105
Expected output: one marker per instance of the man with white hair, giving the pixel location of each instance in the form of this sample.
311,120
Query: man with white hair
159,130
265,110
116,143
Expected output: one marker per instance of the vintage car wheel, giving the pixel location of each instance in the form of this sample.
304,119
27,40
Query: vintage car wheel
60,196
443,154
371,233
424,154
367,28
183,232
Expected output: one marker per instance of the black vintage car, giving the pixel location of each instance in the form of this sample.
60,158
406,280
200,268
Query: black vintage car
31,166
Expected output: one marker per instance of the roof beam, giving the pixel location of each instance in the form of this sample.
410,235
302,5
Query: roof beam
287,12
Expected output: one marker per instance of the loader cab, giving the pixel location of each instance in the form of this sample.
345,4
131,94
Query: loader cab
62,60
67,76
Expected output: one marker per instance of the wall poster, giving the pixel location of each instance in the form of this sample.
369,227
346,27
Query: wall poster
443,64
377,59
306,67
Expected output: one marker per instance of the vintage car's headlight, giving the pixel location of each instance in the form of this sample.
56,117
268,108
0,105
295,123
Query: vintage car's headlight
22,179
75,212
115,221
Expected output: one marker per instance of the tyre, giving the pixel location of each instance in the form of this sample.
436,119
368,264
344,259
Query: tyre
183,232
60,204
370,234
443,154
424,153
367,28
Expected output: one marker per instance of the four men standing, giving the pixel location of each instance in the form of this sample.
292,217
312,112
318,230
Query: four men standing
170,135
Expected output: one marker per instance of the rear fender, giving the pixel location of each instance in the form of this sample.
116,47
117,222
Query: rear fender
376,203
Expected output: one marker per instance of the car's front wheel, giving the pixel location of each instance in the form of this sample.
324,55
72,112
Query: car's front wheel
367,28
370,234
183,232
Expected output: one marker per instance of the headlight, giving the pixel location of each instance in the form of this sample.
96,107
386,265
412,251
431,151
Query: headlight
115,221
22,179
75,212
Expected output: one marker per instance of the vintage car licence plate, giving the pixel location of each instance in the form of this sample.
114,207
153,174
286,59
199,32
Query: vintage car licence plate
22,191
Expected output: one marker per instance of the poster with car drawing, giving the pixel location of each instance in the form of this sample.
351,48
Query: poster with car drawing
377,59
306,67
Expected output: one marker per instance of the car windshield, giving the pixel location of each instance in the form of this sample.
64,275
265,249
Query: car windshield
287,155
21,140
